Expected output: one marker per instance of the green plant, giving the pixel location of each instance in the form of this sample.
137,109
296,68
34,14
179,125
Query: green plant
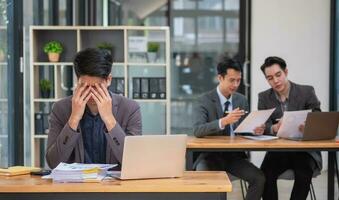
153,47
105,45
45,85
53,47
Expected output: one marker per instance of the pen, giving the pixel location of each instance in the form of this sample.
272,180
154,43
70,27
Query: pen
226,112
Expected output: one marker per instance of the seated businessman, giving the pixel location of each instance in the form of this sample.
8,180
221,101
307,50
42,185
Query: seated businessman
219,112
90,126
284,95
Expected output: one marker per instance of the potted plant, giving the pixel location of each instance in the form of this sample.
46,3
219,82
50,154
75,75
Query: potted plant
45,88
152,50
53,49
106,46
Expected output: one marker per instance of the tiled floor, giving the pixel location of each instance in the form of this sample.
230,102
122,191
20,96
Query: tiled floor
285,188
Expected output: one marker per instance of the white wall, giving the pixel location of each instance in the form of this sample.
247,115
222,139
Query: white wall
299,32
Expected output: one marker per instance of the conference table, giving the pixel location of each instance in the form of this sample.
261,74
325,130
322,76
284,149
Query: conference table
238,143
193,185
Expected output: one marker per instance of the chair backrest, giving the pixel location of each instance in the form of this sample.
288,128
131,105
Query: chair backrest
289,174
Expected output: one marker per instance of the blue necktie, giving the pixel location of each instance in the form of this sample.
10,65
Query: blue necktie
227,129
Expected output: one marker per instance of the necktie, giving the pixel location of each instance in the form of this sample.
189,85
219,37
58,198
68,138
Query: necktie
227,129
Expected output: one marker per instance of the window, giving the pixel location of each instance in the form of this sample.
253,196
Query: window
3,86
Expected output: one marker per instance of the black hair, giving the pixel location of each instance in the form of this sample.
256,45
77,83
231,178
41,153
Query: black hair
93,62
228,63
269,61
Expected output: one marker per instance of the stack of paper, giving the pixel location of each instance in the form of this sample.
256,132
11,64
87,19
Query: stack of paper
17,170
78,172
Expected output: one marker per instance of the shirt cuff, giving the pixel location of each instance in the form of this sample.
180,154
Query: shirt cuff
220,125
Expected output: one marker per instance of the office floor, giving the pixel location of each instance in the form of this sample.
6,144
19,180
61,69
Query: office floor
285,188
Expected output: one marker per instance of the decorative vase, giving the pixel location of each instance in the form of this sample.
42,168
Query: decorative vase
53,57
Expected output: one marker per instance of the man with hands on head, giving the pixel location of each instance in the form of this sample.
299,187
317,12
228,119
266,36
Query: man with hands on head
284,95
91,125
219,112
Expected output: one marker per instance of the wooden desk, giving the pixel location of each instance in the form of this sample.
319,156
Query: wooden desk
193,185
237,143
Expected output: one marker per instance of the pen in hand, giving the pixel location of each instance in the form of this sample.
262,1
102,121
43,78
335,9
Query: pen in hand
227,112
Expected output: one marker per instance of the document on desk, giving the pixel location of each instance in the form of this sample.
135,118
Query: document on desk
262,137
290,123
253,120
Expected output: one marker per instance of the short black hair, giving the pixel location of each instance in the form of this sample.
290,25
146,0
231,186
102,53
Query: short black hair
93,62
269,61
228,63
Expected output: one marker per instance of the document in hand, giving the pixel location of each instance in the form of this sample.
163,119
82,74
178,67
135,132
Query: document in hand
290,123
253,120
78,172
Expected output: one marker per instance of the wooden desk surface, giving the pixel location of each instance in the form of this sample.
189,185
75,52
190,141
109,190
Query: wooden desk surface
238,142
190,182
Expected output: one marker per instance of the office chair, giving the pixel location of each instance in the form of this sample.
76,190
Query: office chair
243,184
289,175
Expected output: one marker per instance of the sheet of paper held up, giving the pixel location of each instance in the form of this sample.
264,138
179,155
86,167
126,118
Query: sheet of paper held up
290,123
253,120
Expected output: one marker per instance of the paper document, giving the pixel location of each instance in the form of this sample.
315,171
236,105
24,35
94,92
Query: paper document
253,120
262,137
78,172
291,121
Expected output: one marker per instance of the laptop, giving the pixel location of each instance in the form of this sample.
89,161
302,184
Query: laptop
319,126
153,156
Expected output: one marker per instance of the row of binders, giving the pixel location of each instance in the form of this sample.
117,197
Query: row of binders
149,88
143,88
118,86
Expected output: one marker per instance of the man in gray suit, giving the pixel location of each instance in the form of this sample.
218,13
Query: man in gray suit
91,125
219,112
285,95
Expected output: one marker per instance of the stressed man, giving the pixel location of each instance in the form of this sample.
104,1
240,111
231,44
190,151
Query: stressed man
219,112
90,126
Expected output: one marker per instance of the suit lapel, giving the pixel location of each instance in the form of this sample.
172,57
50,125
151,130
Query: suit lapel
217,104
114,104
115,114
293,105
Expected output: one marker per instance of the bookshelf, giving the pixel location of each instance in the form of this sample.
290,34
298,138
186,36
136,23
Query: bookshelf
130,61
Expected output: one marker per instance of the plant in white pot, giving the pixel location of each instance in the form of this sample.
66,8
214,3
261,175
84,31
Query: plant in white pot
152,50
53,49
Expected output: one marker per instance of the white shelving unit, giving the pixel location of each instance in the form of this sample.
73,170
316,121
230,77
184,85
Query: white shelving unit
127,64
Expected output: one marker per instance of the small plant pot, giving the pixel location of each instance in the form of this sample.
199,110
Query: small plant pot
53,57
151,57
45,94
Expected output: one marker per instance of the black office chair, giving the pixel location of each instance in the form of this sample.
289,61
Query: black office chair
289,175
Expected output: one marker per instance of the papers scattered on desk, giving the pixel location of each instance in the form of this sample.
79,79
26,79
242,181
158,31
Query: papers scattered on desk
262,137
17,170
253,120
291,121
78,172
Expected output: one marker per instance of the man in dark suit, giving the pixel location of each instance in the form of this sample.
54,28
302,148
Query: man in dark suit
91,125
219,112
285,95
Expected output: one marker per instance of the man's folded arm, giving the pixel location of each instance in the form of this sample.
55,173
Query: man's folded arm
61,142
116,137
